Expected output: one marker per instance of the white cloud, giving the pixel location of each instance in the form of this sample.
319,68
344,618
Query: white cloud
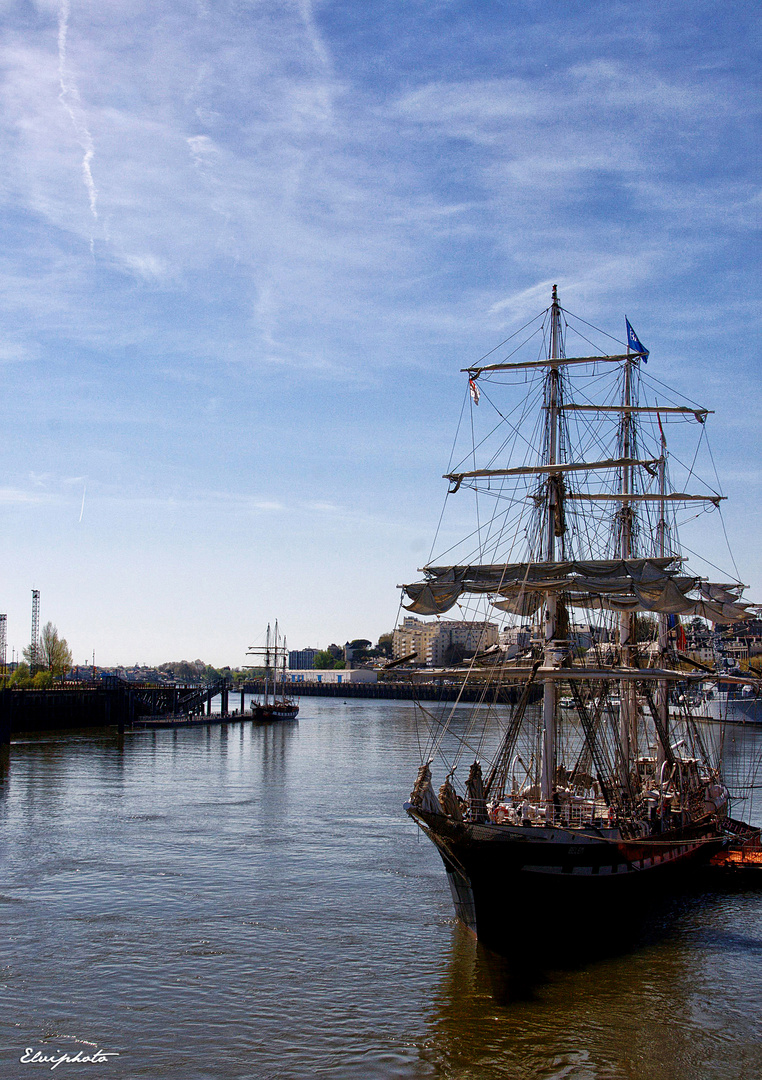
323,507
201,146
19,497
70,99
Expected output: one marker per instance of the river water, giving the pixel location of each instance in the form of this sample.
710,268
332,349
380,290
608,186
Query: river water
233,902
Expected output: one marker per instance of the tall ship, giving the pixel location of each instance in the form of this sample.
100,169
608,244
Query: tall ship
274,703
578,779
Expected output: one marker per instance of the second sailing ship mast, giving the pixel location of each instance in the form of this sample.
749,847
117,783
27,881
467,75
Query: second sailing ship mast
628,702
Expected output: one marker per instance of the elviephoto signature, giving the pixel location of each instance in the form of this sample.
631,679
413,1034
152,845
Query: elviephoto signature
55,1058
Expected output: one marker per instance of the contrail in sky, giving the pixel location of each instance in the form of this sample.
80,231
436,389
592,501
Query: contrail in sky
84,492
70,99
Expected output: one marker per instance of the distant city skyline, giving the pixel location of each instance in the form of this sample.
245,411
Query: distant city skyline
248,248
14,654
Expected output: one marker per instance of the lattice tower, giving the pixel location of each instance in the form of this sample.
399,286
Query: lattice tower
3,642
34,644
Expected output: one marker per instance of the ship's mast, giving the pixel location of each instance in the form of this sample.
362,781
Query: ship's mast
267,666
274,673
555,515
283,664
662,699
628,701
277,660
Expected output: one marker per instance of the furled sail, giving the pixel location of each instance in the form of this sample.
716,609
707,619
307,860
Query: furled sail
549,470
656,585
554,361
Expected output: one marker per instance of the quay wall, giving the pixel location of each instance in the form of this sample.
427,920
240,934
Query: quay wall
41,710
111,702
118,703
409,691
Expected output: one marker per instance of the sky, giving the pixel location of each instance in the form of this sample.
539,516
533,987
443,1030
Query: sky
248,245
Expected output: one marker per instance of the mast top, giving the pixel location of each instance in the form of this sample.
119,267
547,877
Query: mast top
556,349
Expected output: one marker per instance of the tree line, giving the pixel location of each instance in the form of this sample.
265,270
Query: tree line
51,659
44,662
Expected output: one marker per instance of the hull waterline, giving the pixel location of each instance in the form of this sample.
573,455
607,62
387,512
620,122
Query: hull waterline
267,713
516,888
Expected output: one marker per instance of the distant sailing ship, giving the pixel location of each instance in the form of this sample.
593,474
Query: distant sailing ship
275,705
590,782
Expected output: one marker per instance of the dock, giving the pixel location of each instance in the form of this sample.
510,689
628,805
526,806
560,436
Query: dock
186,720
109,701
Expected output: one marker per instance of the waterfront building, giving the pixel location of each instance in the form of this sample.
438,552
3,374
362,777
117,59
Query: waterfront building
331,676
413,636
302,659
442,642
515,640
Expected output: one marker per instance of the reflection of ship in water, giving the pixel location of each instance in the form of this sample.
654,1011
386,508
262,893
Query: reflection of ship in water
271,747
503,1018
273,742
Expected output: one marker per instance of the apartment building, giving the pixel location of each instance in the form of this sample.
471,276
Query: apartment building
443,642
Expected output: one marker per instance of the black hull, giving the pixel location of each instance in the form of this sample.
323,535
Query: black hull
517,891
279,711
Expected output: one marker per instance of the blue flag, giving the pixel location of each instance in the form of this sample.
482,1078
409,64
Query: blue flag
633,343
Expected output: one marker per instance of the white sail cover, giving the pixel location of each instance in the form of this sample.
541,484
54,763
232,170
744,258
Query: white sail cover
614,584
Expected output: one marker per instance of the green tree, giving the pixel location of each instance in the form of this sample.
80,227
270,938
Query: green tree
185,672
52,653
384,644
21,676
359,650
327,659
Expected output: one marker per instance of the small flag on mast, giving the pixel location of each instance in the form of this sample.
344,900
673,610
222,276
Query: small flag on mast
633,343
475,392
677,631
